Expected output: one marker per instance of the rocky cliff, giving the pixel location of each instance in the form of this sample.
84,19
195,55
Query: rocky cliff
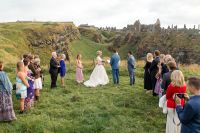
56,35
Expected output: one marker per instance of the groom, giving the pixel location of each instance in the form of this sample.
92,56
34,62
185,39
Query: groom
114,62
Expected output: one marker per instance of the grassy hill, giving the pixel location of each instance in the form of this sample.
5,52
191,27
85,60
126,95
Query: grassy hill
75,108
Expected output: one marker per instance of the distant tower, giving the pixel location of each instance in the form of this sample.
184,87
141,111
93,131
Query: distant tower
156,27
194,27
199,28
185,26
137,26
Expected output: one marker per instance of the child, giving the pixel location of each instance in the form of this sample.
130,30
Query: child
21,85
38,80
62,69
79,69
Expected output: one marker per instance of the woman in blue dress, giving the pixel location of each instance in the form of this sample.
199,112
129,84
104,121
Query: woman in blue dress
62,69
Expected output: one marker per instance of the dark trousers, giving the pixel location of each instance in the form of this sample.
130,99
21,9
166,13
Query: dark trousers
132,76
54,77
115,74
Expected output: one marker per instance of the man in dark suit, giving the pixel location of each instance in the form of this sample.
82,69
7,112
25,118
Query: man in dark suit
131,67
154,70
54,66
189,116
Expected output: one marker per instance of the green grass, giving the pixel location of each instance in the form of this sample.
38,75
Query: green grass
77,109
87,48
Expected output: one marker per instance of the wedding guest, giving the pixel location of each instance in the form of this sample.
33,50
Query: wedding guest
79,69
21,85
38,80
163,64
62,69
166,80
114,62
154,70
30,90
177,86
189,116
131,67
54,66
147,76
6,105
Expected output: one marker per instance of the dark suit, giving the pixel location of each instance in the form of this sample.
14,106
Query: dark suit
53,71
153,71
190,115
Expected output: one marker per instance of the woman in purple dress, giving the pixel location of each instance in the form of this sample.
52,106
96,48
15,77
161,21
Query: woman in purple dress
29,101
62,69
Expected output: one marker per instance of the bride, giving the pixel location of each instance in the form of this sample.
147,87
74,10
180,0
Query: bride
99,75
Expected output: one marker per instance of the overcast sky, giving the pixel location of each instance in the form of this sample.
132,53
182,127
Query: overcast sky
117,13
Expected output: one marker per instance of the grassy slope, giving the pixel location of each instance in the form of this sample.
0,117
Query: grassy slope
88,48
105,109
75,108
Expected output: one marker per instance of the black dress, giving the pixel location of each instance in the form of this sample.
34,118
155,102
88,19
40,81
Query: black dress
153,71
147,76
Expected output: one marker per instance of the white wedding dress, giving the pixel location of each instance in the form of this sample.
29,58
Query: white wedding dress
98,76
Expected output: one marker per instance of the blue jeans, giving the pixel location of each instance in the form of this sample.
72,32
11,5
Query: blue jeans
132,76
115,74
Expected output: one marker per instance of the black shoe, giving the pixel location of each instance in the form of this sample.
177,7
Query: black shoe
21,112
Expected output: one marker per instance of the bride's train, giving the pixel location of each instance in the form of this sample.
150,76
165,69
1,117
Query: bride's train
98,76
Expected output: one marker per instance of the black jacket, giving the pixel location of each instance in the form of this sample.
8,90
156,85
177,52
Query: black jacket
53,66
154,66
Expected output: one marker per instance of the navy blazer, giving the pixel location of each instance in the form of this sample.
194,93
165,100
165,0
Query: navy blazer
114,61
190,115
53,66
131,63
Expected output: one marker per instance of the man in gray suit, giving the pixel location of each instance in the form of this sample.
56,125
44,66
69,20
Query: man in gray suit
131,67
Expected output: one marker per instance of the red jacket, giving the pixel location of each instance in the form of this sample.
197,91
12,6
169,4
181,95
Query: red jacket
171,90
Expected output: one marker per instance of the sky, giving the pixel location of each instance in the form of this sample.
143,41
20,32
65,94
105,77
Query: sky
101,13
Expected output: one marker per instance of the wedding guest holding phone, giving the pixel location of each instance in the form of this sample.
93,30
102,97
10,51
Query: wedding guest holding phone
189,116
177,86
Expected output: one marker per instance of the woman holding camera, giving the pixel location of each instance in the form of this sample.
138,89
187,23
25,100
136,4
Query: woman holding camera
177,86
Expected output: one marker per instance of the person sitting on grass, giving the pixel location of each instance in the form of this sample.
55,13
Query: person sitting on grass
190,115
62,69
6,105
21,85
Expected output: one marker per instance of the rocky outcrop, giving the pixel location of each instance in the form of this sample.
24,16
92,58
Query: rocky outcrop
56,35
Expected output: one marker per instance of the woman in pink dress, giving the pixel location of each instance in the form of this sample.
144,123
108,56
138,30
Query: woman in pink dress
79,69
